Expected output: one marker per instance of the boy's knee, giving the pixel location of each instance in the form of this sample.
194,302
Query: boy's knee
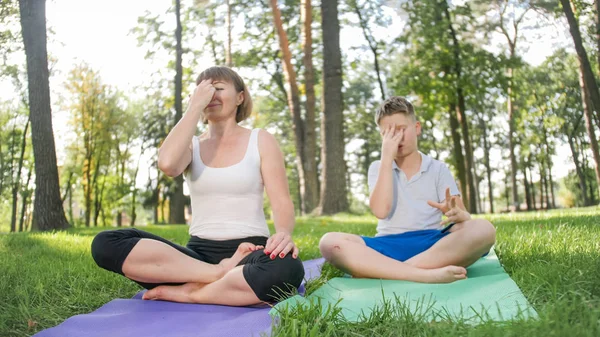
327,244
486,231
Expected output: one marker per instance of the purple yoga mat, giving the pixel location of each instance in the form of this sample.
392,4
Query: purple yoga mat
135,317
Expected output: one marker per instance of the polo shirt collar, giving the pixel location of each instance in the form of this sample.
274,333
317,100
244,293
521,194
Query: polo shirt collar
425,163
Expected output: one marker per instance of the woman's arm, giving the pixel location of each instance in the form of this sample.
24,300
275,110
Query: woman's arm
272,169
175,153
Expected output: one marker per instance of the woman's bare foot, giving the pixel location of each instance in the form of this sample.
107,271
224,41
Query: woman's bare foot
242,251
446,274
182,293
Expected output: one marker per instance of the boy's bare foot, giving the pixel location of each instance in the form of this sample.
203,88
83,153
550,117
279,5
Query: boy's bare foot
242,251
446,274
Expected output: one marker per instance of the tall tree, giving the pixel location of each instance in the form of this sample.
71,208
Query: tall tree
371,41
312,177
589,125
48,213
588,75
17,181
512,38
178,200
597,35
333,181
461,112
228,60
307,169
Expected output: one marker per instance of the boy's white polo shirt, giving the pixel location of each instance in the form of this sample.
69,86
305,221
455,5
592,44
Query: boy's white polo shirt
410,210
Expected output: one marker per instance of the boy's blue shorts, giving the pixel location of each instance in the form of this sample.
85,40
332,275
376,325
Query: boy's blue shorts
403,246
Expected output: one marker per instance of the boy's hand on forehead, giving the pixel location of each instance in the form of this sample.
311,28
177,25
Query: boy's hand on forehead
391,138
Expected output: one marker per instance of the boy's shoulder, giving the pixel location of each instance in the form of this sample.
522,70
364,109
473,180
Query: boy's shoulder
427,163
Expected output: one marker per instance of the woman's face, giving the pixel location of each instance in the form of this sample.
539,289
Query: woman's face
224,102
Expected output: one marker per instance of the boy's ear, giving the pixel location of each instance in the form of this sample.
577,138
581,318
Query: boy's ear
418,126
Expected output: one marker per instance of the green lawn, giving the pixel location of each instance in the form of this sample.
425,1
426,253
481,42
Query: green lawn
553,256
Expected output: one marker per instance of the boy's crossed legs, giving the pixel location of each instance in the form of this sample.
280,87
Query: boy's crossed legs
444,262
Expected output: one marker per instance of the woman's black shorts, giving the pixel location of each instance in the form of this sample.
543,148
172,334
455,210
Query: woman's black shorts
271,280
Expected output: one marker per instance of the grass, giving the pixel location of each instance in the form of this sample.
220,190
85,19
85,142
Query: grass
553,256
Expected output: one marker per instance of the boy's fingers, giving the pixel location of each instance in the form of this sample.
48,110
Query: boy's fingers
435,204
453,202
448,196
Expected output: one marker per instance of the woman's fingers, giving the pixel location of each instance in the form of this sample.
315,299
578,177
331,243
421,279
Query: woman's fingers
279,249
286,250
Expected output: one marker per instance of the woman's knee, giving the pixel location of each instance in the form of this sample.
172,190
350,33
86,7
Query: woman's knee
110,247
274,279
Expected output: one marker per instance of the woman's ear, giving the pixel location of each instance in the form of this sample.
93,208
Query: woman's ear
240,98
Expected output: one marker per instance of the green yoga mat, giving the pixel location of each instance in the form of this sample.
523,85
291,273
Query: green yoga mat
488,293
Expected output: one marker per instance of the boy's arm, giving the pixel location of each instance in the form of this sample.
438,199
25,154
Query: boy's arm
382,195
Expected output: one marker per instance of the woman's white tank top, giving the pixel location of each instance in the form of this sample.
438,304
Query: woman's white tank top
227,203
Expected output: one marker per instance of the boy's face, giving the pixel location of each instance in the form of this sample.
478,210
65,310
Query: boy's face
412,129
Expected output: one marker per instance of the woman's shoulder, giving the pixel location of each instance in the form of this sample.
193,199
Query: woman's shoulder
267,143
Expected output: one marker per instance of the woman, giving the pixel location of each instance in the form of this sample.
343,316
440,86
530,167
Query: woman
230,258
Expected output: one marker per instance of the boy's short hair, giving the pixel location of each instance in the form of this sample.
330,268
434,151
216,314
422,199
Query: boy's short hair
395,105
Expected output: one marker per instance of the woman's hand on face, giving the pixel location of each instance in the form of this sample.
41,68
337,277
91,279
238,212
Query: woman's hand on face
202,96
280,244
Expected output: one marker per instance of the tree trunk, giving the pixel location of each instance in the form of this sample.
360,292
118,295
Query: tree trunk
372,45
480,200
506,192
228,60
48,213
597,21
458,153
17,183
546,192
308,200
71,218
588,75
589,125
511,143
162,208
580,174
462,116
527,186
24,198
177,199
551,183
334,197
98,199
549,164
533,196
134,190
486,162
311,170
542,178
